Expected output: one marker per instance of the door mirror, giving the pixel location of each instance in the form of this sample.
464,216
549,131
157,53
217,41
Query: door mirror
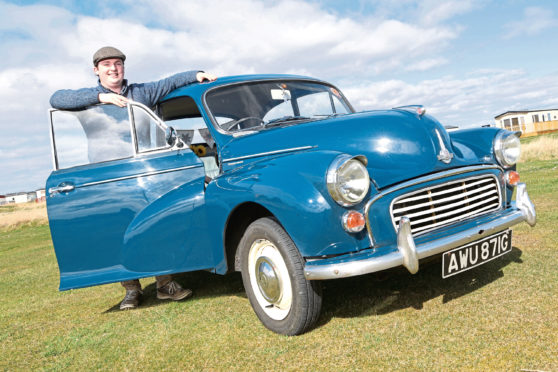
172,138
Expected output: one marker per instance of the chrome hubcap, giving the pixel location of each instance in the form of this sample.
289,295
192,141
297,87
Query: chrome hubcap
267,279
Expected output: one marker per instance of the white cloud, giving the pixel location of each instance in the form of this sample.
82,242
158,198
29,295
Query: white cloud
437,11
426,64
470,101
45,48
535,20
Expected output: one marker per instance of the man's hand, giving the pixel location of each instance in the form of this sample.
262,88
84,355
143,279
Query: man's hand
115,99
201,76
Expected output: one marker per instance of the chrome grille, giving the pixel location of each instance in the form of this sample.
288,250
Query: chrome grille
441,205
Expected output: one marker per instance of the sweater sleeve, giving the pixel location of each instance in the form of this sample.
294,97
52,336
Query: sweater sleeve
68,99
150,93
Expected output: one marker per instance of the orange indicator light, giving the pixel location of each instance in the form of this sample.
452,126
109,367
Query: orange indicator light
353,221
512,178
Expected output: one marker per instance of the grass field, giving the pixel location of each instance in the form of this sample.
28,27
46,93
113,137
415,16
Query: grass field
502,316
13,216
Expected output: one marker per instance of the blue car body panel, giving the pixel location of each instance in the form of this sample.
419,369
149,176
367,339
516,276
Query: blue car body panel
114,225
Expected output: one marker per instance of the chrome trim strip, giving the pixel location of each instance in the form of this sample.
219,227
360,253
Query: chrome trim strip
52,144
269,153
408,254
444,155
417,181
138,176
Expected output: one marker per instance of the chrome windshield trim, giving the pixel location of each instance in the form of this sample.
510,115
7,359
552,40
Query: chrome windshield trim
418,181
147,174
275,152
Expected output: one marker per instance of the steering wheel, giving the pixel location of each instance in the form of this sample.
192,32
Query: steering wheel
237,122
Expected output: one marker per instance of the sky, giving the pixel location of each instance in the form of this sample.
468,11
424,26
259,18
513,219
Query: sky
466,61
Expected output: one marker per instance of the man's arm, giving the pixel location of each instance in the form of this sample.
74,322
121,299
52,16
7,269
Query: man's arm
150,93
68,99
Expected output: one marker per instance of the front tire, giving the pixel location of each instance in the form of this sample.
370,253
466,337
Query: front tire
273,277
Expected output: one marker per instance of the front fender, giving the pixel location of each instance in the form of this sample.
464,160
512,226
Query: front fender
292,187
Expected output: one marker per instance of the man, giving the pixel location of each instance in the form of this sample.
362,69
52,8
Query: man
112,88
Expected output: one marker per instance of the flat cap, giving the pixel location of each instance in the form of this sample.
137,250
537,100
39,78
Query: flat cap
106,53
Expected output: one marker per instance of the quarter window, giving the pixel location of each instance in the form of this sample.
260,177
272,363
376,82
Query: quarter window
149,135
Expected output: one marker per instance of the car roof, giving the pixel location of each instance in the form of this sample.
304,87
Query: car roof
197,90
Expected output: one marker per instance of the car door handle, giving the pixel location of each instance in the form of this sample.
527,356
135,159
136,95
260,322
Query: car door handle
63,187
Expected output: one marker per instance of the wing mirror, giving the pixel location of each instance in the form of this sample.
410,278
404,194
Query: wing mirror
172,138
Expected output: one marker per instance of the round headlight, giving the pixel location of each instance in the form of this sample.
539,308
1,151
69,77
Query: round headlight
507,148
348,180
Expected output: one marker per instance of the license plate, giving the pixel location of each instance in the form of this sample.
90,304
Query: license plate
475,254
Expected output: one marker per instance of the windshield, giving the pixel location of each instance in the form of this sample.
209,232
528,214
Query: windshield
254,106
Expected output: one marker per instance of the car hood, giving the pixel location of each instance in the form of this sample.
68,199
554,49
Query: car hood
399,145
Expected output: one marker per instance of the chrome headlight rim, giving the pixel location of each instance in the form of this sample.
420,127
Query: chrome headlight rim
333,185
501,149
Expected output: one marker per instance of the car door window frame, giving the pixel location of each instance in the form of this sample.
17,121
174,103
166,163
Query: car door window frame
160,124
133,134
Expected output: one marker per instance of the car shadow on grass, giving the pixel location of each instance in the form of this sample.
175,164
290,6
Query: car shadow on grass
365,295
396,289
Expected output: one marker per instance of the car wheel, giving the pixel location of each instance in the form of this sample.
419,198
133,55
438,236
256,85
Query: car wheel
273,276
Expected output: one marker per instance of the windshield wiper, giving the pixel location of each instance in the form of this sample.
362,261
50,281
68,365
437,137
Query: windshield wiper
285,119
334,115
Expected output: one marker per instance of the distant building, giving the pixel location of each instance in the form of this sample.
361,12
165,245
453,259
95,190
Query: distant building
530,122
23,197
20,197
40,195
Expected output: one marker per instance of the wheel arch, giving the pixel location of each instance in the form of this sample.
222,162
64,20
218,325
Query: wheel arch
239,220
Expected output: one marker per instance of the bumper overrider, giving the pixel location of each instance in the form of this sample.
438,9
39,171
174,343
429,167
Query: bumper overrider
408,253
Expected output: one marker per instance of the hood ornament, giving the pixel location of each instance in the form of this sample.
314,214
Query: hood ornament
444,155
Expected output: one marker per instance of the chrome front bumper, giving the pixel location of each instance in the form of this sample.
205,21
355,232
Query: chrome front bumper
408,253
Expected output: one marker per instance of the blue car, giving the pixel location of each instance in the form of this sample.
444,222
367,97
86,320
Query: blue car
275,176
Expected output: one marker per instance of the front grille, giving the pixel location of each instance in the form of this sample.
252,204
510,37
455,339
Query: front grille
441,205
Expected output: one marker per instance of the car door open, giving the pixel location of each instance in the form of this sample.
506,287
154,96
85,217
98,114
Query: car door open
114,176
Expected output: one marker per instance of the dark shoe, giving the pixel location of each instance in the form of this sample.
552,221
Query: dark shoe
131,300
173,291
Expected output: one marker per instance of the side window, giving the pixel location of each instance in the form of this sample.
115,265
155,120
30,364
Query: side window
96,134
149,135
183,115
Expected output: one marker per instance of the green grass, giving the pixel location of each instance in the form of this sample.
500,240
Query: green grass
501,316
